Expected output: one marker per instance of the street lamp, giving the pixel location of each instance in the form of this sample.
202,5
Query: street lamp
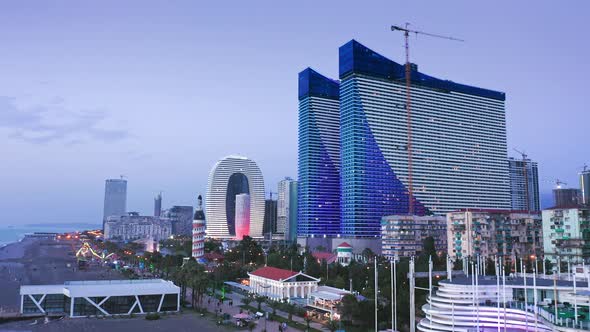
393,264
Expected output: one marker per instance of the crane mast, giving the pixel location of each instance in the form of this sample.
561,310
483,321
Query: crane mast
526,180
408,77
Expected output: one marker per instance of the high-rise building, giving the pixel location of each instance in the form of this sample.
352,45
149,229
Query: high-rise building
319,155
284,206
181,218
242,216
565,234
585,186
524,182
229,177
566,197
291,231
199,229
115,198
270,218
488,233
458,143
158,205
404,235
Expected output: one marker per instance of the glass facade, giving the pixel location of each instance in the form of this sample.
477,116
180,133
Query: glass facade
524,180
115,198
237,184
318,156
114,305
459,143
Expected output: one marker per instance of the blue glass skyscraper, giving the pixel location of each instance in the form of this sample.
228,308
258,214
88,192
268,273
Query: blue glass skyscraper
319,156
459,143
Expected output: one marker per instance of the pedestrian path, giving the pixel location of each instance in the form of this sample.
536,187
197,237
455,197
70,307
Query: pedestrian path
214,305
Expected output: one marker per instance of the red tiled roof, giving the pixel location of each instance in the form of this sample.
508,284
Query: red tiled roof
328,256
274,273
344,245
213,256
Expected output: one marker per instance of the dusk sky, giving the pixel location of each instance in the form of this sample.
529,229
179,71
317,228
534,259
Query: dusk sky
158,91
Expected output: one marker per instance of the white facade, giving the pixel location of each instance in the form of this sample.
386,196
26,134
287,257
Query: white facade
137,227
101,298
564,230
292,285
460,305
216,200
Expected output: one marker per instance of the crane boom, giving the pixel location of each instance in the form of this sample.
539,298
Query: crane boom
408,77
526,180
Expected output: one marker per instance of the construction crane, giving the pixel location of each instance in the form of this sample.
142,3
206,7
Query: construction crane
408,68
558,183
526,180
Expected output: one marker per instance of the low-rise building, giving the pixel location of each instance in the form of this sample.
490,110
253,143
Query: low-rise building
100,298
133,227
522,304
567,233
488,233
403,235
279,284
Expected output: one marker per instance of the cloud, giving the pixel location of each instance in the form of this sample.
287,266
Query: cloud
54,122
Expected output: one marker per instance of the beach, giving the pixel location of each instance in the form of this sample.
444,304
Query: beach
41,261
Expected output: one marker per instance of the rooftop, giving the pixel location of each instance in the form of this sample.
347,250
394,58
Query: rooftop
357,58
104,288
274,273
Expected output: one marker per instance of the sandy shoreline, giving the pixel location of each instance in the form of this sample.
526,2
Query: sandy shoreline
41,261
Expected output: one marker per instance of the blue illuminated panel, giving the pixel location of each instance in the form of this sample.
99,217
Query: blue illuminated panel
319,150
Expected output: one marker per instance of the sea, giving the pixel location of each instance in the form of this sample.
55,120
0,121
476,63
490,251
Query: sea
14,233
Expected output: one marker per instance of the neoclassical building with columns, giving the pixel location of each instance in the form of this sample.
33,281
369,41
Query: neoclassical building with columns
281,284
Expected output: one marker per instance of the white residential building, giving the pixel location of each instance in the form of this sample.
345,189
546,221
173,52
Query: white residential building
567,234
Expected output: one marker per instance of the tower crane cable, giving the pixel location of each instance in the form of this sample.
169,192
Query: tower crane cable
408,77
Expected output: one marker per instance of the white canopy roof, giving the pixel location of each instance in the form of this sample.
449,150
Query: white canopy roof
105,288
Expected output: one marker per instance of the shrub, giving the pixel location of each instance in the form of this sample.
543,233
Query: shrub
152,316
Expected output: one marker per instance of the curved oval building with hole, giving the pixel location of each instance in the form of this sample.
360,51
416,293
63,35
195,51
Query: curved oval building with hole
230,177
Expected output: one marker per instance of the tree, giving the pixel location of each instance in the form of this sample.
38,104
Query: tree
251,325
246,300
347,307
260,299
274,305
307,321
332,325
290,310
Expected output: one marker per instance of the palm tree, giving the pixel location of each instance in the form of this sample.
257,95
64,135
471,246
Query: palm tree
307,321
246,300
332,325
260,299
290,310
274,305
251,325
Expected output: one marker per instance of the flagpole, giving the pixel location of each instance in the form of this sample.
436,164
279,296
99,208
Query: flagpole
497,288
376,285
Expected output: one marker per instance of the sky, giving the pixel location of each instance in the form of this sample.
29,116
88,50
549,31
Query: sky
158,91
